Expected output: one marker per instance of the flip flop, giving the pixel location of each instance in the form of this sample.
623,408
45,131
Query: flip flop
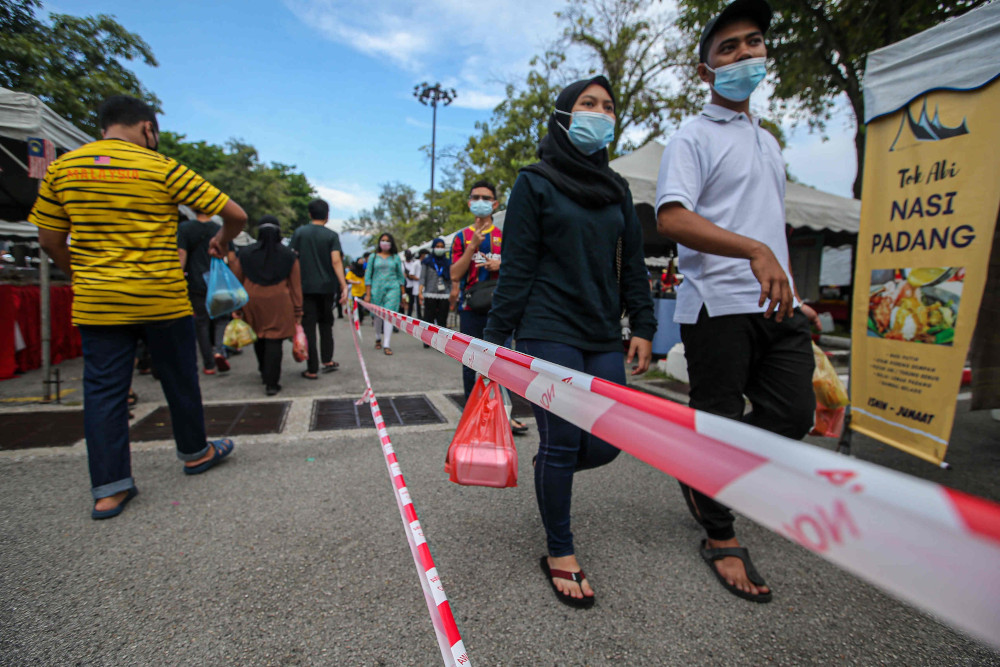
378,345
223,448
586,602
97,515
712,555
517,428
388,351
309,376
330,367
133,398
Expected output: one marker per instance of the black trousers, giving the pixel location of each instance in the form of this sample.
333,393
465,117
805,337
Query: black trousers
268,351
770,363
317,310
436,311
208,331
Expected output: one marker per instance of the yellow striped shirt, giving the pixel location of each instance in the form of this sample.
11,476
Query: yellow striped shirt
118,201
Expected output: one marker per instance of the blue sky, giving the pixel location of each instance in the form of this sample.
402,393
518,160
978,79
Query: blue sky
328,85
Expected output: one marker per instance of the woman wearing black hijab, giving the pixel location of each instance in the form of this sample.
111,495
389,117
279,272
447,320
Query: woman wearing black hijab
435,284
270,274
572,260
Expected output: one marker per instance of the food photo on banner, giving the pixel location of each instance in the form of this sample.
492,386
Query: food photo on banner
931,191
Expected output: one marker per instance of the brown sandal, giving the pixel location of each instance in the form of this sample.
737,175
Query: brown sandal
378,345
388,351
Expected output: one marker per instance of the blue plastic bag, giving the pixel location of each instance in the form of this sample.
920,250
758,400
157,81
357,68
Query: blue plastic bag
225,293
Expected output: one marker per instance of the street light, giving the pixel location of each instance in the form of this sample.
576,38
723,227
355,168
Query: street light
427,94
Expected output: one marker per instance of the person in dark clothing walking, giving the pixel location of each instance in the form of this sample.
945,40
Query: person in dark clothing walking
193,236
560,296
271,276
435,285
323,284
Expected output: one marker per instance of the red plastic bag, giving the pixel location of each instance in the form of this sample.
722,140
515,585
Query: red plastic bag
482,451
300,346
829,421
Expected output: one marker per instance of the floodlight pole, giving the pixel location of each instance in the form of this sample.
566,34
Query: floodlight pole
430,96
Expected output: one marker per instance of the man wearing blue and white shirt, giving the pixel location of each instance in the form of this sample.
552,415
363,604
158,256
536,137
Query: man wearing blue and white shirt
720,196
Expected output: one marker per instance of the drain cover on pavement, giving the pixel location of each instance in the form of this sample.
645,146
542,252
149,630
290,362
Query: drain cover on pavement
520,407
220,421
342,413
22,430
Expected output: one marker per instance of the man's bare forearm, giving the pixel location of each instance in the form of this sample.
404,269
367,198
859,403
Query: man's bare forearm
695,232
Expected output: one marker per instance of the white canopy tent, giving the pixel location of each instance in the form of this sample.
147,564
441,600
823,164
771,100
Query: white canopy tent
23,116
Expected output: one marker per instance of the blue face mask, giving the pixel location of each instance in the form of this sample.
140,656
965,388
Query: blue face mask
481,209
737,80
590,131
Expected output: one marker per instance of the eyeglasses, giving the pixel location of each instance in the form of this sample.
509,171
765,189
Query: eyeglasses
480,198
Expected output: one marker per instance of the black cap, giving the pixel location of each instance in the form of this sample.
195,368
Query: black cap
757,11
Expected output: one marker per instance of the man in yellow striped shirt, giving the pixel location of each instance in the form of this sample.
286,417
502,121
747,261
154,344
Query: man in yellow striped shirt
117,200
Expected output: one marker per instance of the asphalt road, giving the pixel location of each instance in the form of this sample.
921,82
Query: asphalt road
292,552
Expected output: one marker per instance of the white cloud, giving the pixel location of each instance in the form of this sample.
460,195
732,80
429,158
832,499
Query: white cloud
472,47
345,201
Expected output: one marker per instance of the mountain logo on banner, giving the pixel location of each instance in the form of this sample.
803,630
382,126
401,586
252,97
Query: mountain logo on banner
925,129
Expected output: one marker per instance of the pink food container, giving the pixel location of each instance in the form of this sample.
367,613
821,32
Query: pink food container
484,464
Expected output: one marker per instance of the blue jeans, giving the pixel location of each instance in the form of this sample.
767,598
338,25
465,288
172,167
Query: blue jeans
563,448
108,358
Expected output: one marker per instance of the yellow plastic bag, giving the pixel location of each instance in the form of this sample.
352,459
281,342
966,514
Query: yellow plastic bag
830,391
238,334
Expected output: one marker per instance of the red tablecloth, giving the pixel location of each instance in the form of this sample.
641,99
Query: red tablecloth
22,304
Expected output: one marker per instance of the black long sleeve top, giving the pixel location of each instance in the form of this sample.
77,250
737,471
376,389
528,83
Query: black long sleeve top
558,279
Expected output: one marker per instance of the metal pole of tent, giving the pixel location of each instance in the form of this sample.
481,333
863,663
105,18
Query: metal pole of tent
44,285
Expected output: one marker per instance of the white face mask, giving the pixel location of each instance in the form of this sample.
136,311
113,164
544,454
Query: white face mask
385,246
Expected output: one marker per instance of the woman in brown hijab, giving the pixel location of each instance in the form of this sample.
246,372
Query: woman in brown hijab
270,274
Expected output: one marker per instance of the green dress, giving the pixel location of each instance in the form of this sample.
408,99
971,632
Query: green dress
385,275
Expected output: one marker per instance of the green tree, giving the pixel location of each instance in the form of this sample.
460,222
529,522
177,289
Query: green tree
399,212
71,63
236,169
818,49
636,47
203,157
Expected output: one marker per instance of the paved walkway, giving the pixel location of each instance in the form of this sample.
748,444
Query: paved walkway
292,552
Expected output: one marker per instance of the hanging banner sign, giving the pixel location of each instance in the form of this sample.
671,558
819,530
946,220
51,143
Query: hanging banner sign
928,213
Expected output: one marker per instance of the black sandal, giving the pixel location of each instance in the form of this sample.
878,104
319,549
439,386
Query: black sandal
712,555
586,602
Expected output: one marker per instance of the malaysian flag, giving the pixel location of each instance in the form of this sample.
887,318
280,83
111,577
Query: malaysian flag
40,153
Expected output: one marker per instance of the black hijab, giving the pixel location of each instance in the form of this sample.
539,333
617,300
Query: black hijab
586,179
440,264
267,262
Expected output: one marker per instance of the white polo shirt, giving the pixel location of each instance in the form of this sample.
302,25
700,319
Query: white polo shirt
729,170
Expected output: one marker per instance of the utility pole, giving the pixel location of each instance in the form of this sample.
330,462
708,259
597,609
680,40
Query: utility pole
430,95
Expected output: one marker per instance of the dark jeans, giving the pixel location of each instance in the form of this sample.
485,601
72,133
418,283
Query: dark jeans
436,311
317,309
563,448
471,324
208,331
268,351
771,363
108,356
413,305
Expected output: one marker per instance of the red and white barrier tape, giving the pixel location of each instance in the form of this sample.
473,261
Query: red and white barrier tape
934,547
449,640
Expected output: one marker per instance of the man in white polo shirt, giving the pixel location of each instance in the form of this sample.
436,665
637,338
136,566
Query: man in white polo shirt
720,196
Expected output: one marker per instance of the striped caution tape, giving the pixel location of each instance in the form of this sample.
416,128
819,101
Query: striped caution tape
934,547
449,640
